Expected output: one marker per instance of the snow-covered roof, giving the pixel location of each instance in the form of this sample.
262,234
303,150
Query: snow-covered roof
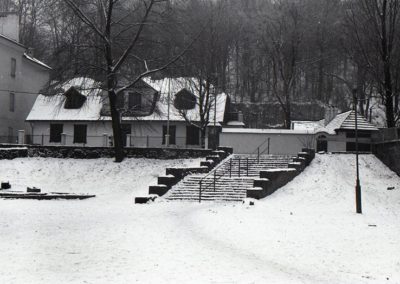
346,121
25,55
174,85
265,131
306,125
52,107
34,60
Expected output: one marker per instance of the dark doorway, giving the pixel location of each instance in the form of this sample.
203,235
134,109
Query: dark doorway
322,144
192,135
126,130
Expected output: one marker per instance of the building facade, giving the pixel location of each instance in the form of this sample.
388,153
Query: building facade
80,115
21,79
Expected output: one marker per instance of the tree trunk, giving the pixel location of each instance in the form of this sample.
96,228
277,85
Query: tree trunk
288,118
116,125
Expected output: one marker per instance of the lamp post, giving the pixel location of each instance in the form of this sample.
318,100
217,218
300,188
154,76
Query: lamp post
167,136
358,186
215,120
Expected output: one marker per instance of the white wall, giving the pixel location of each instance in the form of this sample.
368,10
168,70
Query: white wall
247,143
29,79
337,143
143,133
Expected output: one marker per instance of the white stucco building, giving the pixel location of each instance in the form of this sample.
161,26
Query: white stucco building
79,115
21,79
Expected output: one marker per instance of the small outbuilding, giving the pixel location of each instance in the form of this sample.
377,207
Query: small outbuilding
338,134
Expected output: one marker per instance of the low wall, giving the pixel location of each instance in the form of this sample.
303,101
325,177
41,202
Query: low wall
284,142
12,153
389,154
272,179
100,152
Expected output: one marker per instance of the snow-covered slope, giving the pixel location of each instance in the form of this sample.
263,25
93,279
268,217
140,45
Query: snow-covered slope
306,232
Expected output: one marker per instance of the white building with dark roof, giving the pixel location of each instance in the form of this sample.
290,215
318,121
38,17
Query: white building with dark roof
335,133
79,114
338,134
21,79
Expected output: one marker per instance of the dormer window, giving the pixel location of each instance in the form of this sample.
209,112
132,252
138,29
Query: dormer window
74,99
135,101
185,100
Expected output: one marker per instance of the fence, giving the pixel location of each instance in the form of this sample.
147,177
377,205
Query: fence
97,141
386,135
9,139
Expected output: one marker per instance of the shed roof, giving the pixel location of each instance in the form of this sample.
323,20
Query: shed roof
346,121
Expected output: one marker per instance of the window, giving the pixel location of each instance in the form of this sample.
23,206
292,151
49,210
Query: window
126,130
10,135
135,101
80,133
360,134
192,135
13,67
172,134
12,102
185,100
74,99
55,132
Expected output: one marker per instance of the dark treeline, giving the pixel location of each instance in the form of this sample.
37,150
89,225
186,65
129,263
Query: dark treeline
256,50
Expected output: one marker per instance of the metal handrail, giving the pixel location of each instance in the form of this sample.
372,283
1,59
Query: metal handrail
224,173
214,172
259,147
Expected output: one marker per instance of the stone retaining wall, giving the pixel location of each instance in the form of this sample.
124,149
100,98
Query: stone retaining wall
389,154
99,152
12,153
273,179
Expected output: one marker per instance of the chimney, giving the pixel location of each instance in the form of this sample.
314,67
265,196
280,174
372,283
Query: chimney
9,25
330,113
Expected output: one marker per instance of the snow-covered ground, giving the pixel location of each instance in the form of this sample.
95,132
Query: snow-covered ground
306,232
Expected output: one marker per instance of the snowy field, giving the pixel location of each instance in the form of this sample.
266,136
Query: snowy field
306,232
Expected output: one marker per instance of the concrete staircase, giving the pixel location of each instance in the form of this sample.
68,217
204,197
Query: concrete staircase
226,189
233,179
250,166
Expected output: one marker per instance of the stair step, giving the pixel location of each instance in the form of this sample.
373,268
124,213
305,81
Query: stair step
227,188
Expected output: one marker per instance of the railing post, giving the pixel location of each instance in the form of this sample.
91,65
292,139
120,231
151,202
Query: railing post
200,193
258,155
268,144
147,141
42,139
230,168
247,166
215,178
239,168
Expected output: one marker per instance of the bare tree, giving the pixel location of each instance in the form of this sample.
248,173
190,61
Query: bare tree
208,58
117,37
283,43
373,26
